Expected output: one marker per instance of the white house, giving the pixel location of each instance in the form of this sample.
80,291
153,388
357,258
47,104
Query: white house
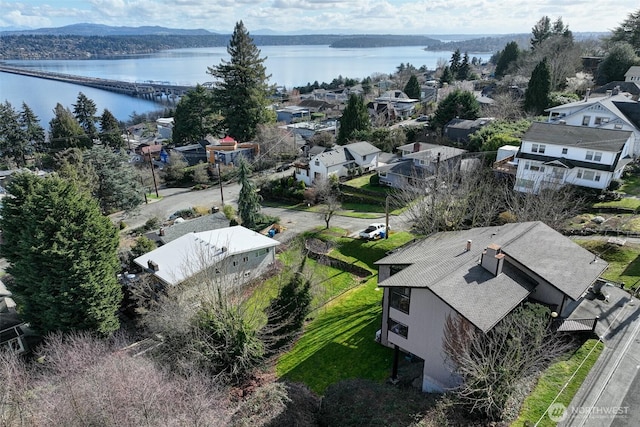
403,105
478,276
165,127
615,111
232,255
632,74
552,155
340,161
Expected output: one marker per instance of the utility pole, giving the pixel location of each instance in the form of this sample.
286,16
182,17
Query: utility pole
386,211
153,173
220,181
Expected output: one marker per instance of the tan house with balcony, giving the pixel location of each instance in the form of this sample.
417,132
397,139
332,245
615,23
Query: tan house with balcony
479,275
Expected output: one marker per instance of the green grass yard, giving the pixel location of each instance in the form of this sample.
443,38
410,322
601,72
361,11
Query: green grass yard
624,261
553,379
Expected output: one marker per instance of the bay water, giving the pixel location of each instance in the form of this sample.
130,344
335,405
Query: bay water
288,66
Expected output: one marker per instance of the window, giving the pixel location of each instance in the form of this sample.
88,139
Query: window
400,299
235,263
588,175
618,126
596,156
382,174
565,150
317,162
261,252
245,258
538,148
557,173
398,328
524,183
586,120
534,167
364,158
396,269
601,120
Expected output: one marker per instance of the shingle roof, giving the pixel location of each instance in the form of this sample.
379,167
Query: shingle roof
362,148
442,264
335,156
577,136
445,152
196,225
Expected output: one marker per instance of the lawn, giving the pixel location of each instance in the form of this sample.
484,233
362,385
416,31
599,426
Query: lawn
553,379
624,261
631,185
627,203
363,182
338,343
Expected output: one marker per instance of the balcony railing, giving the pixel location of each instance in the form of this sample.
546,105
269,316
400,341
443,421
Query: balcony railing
575,325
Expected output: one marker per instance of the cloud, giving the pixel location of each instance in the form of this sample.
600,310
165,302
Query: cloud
16,18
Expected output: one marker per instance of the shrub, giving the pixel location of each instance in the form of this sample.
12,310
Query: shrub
229,211
375,179
614,185
122,225
142,246
507,217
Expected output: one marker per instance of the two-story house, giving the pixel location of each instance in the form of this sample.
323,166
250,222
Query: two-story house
553,155
420,161
615,111
479,276
341,161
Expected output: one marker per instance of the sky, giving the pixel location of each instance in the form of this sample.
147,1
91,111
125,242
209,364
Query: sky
317,16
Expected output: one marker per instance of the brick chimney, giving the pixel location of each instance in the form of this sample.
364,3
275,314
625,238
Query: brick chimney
416,147
153,266
492,259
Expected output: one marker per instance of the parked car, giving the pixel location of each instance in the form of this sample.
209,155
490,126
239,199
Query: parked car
373,231
422,118
284,167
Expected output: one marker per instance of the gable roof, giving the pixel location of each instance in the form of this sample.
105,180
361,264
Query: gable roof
362,148
442,264
444,151
203,223
194,252
332,157
611,103
577,136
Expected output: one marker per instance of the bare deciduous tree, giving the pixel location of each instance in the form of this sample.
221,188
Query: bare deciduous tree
328,194
492,365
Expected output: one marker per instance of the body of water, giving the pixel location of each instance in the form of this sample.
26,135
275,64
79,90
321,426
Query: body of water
288,66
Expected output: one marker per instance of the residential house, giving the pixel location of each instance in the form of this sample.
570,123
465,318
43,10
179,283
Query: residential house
231,255
554,155
614,111
632,74
192,153
307,129
420,161
292,113
402,104
227,150
317,106
458,130
341,161
165,127
478,276
178,229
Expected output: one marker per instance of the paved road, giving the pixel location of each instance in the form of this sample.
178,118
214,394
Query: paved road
295,221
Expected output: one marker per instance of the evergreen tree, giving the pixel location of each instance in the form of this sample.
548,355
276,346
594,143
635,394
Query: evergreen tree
241,91
447,75
355,117
459,103
30,124
616,63
13,140
508,56
62,256
455,62
194,118
248,199
84,110
412,88
65,132
540,32
110,132
118,184
464,70
536,98
628,31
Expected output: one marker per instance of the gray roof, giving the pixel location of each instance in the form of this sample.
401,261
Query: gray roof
196,225
317,149
441,264
445,152
362,148
332,157
577,136
468,124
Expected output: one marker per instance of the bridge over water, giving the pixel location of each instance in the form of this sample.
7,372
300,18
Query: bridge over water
150,90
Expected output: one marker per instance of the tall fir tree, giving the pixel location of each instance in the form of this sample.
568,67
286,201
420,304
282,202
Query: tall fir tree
459,103
508,56
464,70
628,31
110,132
248,198
35,134
447,75
194,117
355,118
242,87
65,132
412,88
84,110
62,256
536,98
13,140
455,62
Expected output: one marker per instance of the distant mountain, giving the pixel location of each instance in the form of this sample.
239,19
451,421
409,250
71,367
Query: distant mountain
106,30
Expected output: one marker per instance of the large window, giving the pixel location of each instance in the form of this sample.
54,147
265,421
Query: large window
588,175
525,183
538,148
533,166
601,120
398,328
596,156
400,299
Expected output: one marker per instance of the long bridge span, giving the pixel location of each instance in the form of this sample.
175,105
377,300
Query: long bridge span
151,90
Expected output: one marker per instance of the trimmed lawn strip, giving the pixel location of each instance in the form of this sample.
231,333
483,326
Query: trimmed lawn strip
339,343
624,261
553,379
631,185
627,203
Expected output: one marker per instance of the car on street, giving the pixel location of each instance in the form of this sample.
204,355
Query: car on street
373,231
284,167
